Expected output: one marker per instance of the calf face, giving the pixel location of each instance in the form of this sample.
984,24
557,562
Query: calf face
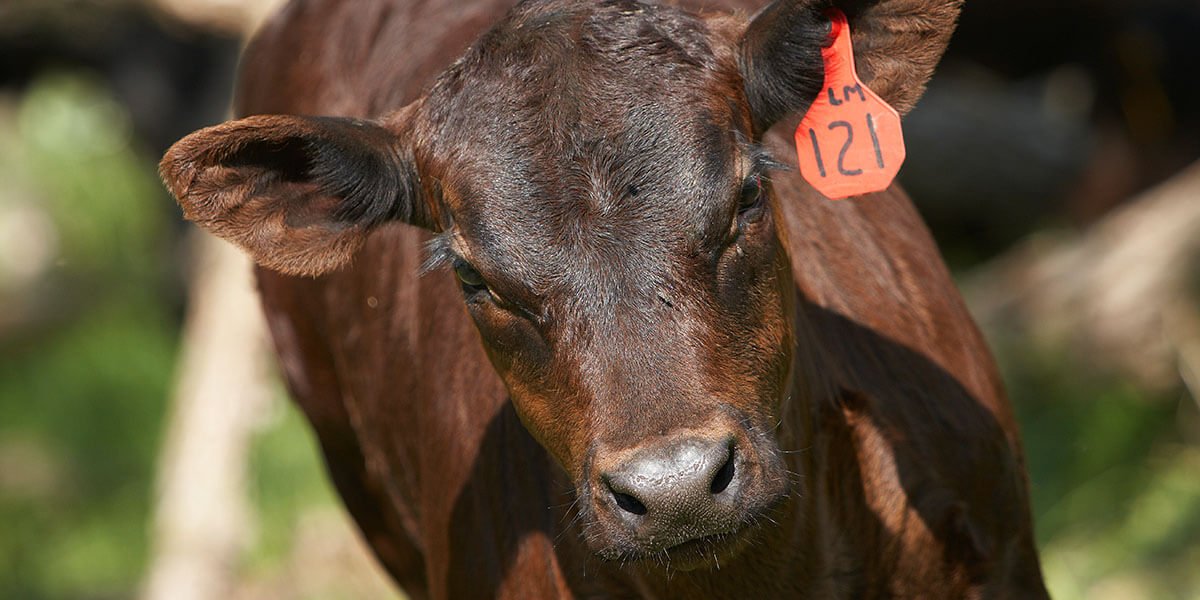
594,180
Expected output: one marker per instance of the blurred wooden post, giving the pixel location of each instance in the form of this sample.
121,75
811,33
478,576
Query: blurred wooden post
201,520
234,16
202,523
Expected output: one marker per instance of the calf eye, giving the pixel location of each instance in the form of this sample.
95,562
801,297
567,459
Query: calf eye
471,280
751,199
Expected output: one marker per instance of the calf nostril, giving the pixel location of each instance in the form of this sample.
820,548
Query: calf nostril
723,476
629,503
686,480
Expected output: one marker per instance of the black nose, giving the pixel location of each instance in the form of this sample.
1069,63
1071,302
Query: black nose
678,491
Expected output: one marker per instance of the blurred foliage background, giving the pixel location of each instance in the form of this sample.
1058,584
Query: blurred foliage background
1045,119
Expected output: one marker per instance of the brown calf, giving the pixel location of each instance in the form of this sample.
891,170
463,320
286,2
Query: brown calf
706,380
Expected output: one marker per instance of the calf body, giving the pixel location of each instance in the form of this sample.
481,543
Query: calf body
680,371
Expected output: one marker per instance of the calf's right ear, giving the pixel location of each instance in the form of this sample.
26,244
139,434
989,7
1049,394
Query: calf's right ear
300,194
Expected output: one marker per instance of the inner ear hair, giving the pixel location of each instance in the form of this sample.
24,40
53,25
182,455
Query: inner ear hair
300,194
897,44
780,59
356,162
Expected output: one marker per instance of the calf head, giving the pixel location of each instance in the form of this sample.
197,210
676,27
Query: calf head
594,178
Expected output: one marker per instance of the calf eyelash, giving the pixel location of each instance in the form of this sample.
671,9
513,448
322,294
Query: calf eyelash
440,253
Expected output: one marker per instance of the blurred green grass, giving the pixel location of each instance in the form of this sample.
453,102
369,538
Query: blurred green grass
1115,479
90,315
87,353
83,382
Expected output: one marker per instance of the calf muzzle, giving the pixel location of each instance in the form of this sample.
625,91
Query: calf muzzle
677,493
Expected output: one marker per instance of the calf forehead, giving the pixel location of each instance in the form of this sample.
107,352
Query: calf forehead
555,66
644,192
596,140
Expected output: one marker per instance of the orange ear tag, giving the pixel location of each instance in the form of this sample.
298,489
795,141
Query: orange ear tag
849,141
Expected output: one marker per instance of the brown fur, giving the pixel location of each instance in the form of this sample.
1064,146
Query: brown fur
587,164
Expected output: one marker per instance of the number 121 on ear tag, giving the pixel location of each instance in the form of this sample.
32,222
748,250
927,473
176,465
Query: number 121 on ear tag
849,141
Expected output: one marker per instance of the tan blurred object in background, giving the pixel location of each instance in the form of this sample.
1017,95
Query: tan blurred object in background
235,16
201,516
1125,293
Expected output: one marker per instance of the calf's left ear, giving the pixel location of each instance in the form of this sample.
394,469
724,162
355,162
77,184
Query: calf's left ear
300,194
897,43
